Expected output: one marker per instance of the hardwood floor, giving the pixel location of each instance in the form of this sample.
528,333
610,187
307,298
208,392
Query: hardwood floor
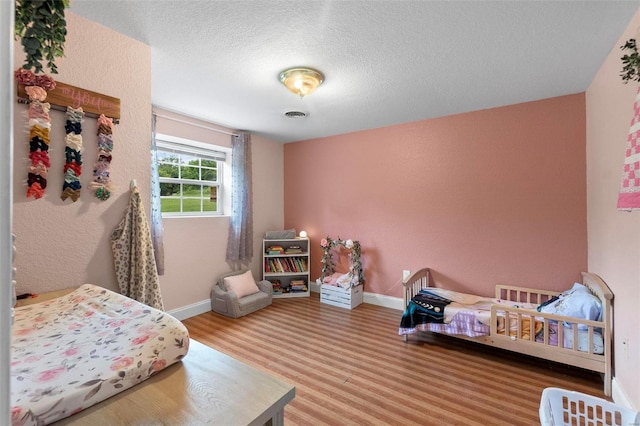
352,368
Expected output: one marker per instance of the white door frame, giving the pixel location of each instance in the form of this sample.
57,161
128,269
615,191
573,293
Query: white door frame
7,88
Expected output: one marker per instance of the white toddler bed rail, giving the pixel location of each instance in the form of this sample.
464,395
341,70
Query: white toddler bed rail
521,335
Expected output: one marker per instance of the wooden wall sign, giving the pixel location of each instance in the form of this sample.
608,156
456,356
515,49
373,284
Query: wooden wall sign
93,104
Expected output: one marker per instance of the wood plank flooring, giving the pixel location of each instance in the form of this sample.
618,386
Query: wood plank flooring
352,368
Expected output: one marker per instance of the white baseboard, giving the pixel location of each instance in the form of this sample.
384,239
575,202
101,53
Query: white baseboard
191,310
385,301
313,286
372,298
205,305
618,395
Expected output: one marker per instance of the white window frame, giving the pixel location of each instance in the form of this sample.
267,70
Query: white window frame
202,150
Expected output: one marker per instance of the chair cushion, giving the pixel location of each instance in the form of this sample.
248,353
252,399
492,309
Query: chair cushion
254,302
242,285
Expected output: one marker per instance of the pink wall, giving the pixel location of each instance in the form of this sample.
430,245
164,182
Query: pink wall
493,196
62,244
613,235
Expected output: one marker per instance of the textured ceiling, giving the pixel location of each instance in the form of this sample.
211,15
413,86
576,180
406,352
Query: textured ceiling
385,62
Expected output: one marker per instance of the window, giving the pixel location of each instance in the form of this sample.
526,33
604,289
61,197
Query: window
190,175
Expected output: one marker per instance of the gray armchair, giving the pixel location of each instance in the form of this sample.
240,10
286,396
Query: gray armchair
225,301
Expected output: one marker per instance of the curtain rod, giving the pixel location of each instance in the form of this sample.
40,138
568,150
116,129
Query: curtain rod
194,124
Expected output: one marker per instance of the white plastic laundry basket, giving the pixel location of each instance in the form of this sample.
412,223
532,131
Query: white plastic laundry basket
559,407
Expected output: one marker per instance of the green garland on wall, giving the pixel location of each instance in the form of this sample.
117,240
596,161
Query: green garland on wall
42,29
630,62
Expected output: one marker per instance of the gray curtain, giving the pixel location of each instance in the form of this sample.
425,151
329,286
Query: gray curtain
240,242
157,229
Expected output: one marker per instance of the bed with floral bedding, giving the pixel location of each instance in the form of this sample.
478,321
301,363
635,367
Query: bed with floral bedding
74,351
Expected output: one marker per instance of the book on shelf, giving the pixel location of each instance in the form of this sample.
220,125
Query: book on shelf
275,250
293,250
298,285
276,286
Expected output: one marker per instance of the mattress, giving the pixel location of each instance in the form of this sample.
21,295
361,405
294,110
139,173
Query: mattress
72,352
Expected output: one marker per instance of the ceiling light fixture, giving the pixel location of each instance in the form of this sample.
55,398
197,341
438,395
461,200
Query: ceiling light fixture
301,81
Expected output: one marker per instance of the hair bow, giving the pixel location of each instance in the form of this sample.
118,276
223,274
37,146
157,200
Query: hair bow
104,129
74,184
103,192
46,82
101,176
105,142
104,158
77,168
25,77
34,178
74,141
38,144
69,192
71,127
39,169
39,122
39,110
35,190
39,132
106,121
75,115
72,155
40,157
36,93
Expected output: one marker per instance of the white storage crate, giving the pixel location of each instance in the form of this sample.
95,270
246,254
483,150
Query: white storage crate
343,297
559,407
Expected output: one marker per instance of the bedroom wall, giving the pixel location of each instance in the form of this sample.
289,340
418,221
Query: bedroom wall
486,197
62,244
614,236
195,248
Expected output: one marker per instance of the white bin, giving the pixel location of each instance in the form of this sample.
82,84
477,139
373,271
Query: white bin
559,407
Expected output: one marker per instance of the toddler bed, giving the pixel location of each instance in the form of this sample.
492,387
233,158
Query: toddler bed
74,351
538,323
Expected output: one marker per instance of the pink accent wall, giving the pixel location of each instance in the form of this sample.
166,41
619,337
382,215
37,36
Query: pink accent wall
486,197
614,236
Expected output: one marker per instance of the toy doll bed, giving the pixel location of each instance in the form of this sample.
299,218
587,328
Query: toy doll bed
74,351
506,321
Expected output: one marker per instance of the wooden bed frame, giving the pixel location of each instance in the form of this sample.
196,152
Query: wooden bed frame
588,360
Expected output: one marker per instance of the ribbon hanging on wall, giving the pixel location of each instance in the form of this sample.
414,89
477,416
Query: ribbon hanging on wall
73,166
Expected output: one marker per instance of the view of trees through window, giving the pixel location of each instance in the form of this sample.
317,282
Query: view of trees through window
188,183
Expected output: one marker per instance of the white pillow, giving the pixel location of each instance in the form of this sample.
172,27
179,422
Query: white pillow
242,285
578,302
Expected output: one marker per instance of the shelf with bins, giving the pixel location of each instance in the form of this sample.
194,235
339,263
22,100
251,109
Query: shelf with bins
286,265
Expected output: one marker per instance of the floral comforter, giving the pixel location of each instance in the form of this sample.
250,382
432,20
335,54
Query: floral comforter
72,352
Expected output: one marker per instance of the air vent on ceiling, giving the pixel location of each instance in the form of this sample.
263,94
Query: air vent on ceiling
296,114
